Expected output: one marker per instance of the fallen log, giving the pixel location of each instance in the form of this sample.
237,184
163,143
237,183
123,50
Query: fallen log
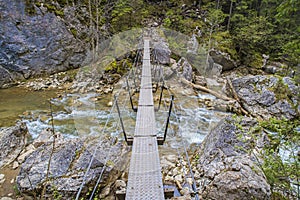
236,97
218,95
204,89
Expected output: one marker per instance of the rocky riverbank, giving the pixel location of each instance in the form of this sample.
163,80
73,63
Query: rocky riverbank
226,165
222,165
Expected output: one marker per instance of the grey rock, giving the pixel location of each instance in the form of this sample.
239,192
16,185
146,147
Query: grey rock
185,68
160,48
227,171
274,68
162,52
41,43
213,69
268,96
15,165
12,142
222,59
69,163
192,46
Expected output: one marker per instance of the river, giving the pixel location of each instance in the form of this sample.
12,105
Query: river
76,115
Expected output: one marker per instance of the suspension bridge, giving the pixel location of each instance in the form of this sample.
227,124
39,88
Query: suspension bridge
144,177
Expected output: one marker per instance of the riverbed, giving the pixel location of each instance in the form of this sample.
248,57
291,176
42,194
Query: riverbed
76,115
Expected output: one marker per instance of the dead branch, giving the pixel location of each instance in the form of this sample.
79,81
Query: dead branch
236,97
204,89
51,153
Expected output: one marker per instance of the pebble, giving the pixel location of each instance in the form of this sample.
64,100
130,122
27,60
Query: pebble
171,158
169,178
6,198
105,192
185,191
189,181
15,165
120,184
178,178
2,178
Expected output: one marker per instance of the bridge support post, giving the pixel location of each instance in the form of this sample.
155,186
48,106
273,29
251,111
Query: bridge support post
121,121
160,97
168,121
131,102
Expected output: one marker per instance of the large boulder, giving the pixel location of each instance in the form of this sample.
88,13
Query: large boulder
268,96
35,44
185,68
221,60
12,142
160,48
228,169
68,166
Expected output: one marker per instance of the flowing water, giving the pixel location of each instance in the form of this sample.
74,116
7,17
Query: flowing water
76,115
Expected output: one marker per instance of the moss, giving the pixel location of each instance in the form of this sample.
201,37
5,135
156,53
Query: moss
59,13
278,196
224,42
29,8
73,31
119,67
282,91
51,8
256,61
110,163
111,66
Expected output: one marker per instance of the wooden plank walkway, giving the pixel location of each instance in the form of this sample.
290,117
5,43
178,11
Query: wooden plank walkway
145,179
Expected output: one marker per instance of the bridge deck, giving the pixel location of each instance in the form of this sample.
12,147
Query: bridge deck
145,179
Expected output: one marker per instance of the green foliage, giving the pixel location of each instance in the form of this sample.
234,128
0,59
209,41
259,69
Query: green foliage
52,8
29,7
55,193
73,31
282,91
224,42
118,67
281,163
252,40
128,14
16,190
215,17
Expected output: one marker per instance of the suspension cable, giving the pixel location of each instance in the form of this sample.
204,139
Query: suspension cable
183,144
94,153
109,154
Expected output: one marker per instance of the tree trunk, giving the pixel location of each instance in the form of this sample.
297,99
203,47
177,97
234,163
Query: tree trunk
91,31
97,25
230,13
218,4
